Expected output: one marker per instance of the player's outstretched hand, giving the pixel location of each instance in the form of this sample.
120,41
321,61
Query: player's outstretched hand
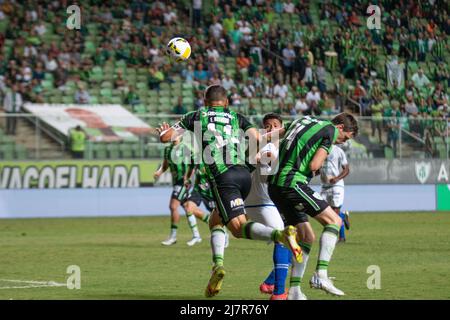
163,127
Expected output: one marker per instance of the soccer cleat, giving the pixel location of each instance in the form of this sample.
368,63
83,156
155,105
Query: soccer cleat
266,288
215,282
347,220
289,239
282,296
324,284
193,241
296,294
170,241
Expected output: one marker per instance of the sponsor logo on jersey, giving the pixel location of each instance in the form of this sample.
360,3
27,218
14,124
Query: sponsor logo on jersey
236,203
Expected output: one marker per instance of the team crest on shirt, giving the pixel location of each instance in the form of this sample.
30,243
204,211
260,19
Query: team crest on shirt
300,207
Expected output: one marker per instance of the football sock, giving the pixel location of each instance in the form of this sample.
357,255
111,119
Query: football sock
281,262
173,230
342,230
327,243
218,245
257,231
205,217
193,224
270,280
298,269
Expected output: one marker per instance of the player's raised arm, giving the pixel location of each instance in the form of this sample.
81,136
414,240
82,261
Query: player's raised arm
169,133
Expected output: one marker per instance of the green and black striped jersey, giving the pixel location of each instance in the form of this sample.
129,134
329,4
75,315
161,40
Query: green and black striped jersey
303,138
202,183
177,158
223,138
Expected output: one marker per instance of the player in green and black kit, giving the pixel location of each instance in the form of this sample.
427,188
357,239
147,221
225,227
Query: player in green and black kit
200,192
303,150
173,160
223,152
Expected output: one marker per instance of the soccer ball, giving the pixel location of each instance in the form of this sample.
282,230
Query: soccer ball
179,49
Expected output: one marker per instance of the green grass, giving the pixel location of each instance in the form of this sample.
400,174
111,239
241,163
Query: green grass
122,258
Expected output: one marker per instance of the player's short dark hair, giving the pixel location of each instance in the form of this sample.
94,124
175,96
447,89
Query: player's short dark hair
349,122
272,115
215,93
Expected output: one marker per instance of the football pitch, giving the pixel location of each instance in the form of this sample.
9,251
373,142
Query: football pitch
122,258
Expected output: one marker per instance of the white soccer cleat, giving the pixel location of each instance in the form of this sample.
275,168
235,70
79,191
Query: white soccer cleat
170,241
296,294
325,284
193,241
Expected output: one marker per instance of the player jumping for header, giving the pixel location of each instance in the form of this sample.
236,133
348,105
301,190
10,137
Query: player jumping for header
223,150
303,150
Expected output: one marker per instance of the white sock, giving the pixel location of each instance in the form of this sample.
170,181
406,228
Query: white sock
218,244
193,224
173,232
327,245
257,231
298,270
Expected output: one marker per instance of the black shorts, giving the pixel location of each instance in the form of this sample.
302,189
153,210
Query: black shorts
179,192
230,190
196,197
296,204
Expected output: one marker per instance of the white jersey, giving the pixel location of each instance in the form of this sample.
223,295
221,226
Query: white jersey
259,195
258,205
332,167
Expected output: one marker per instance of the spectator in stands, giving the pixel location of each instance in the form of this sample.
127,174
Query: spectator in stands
309,76
235,98
155,78
393,125
249,90
289,7
198,103
196,13
301,106
280,90
313,99
188,74
410,106
251,109
200,75
420,79
321,77
288,61
132,98
327,105
377,118
12,104
119,81
81,95
360,96
242,63
228,82
77,139
179,108
341,88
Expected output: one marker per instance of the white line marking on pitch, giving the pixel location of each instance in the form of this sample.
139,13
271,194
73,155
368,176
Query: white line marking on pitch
32,284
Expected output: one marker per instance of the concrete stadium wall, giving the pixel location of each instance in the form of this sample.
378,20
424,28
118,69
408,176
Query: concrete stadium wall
35,203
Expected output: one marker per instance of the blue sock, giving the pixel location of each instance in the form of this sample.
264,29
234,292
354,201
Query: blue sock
270,278
281,260
342,230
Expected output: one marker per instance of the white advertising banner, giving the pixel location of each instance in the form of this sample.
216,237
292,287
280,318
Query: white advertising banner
101,122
